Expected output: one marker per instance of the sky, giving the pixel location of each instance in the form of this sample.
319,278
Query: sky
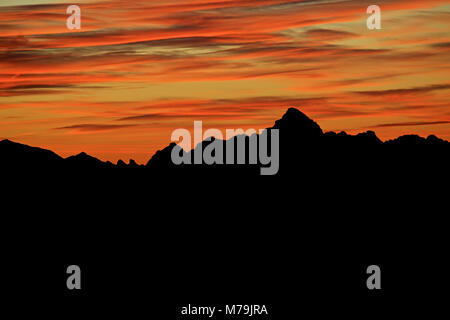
137,70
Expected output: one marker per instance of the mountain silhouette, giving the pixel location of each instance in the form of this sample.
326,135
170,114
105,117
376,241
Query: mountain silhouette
84,161
338,204
15,155
303,145
296,123
305,150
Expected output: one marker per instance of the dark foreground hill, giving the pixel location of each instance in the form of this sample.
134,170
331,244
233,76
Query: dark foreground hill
304,150
300,240
312,165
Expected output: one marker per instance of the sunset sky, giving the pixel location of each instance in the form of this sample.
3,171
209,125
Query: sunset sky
137,70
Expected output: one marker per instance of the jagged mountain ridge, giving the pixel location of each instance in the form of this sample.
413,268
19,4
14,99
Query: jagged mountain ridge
300,136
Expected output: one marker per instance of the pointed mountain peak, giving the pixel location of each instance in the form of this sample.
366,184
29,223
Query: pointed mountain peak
83,156
294,115
296,121
121,164
7,142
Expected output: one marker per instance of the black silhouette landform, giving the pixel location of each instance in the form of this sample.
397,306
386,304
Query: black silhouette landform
335,172
338,204
304,149
332,169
